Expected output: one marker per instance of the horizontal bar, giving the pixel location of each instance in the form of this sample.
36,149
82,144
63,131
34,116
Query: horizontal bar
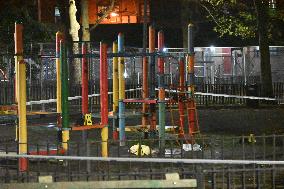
147,101
86,127
149,160
49,152
126,54
185,183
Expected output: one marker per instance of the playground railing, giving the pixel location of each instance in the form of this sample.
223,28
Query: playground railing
47,90
207,173
216,162
263,147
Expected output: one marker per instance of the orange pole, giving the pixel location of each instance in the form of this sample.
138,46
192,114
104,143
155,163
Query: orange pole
104,97
18,37
145,91
191,102
191,109
181,97
153,121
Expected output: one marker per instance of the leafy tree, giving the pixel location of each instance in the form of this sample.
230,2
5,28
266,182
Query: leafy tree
239,18
250,19
24,12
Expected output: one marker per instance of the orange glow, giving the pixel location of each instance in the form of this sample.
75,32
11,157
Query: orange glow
114,14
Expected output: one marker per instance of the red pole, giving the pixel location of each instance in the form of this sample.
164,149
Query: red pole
85,91
104,97
181,97
152,73
161,64
161,45
104,84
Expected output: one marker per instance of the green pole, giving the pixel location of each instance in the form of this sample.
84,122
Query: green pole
162,105
64,96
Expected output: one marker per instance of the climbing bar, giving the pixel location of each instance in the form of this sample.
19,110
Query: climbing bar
146,101
122,54
86,127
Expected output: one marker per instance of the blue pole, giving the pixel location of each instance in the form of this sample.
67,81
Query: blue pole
121,93
121,114
120,43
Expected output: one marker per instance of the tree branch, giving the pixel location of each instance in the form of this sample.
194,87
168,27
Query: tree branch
104,16
211,15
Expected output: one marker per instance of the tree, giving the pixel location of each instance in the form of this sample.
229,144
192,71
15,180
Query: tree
85,20
25,12
75,67
240,18
70,21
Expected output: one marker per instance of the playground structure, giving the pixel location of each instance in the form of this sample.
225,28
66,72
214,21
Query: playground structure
119,114
157,103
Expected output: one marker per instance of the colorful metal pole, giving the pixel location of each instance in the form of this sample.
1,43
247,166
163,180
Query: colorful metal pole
121,70
20,68
18,37
104,97
145,91
85,92
115,91
22,100
162,106
121,67
181,96
59,37
121,115
191,104
85,89
64,96
153,121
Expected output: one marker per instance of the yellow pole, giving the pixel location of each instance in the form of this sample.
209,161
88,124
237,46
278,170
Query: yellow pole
23,138
121,67
121,79
115,78
115,91
59,37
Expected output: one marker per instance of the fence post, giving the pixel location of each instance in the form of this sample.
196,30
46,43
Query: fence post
200,177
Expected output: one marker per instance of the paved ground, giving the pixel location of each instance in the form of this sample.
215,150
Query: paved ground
212,121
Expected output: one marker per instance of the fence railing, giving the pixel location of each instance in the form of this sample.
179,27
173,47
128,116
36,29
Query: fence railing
263,147
220,162
47,91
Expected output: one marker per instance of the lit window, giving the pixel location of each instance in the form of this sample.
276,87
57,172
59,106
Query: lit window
272,4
